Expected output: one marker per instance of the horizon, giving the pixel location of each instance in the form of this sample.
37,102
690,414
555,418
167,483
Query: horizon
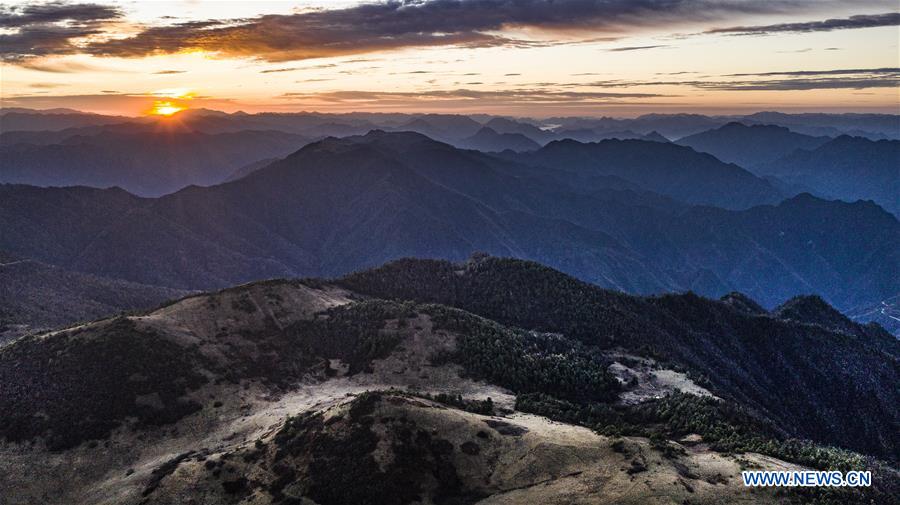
530,58
189,111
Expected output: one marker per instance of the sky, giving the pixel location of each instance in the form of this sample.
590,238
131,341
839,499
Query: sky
536,58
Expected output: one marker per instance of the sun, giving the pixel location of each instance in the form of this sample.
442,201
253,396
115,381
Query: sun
165,108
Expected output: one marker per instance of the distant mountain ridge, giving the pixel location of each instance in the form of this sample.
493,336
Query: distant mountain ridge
343,204
664,168
488,140
749,146
849,168
148,163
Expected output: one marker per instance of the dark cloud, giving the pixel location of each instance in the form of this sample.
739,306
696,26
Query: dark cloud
470,96
277,70
63,67
854,71
291,69
792,80
49,28
510,75
45,85
635,48
168,72
366,60
859,21
55,12
394,24
803,84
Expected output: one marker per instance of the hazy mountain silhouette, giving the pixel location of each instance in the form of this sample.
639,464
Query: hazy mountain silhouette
249,168
488,140
665,168
343,204
55,119
849,168
750,145
143,162
505,125
589,135
455,127
444,127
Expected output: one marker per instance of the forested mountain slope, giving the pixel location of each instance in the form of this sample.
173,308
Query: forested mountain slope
286,390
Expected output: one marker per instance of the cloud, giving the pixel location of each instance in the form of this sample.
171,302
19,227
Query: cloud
803,84
55,12
795,51
276,70
365,60
854,71
858,21
63,67
291,69
635,48
395,24
45,85
791,80
36,30
470,96
169,72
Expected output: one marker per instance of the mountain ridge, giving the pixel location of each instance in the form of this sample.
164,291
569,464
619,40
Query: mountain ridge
751,145
238,393
281,220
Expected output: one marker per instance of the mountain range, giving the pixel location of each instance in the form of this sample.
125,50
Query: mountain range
488,140
752,145
487,381
340,309
339,205
147,162
151,156
667,169
848,168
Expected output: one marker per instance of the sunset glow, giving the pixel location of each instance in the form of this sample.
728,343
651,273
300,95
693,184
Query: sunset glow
613,58
165,109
